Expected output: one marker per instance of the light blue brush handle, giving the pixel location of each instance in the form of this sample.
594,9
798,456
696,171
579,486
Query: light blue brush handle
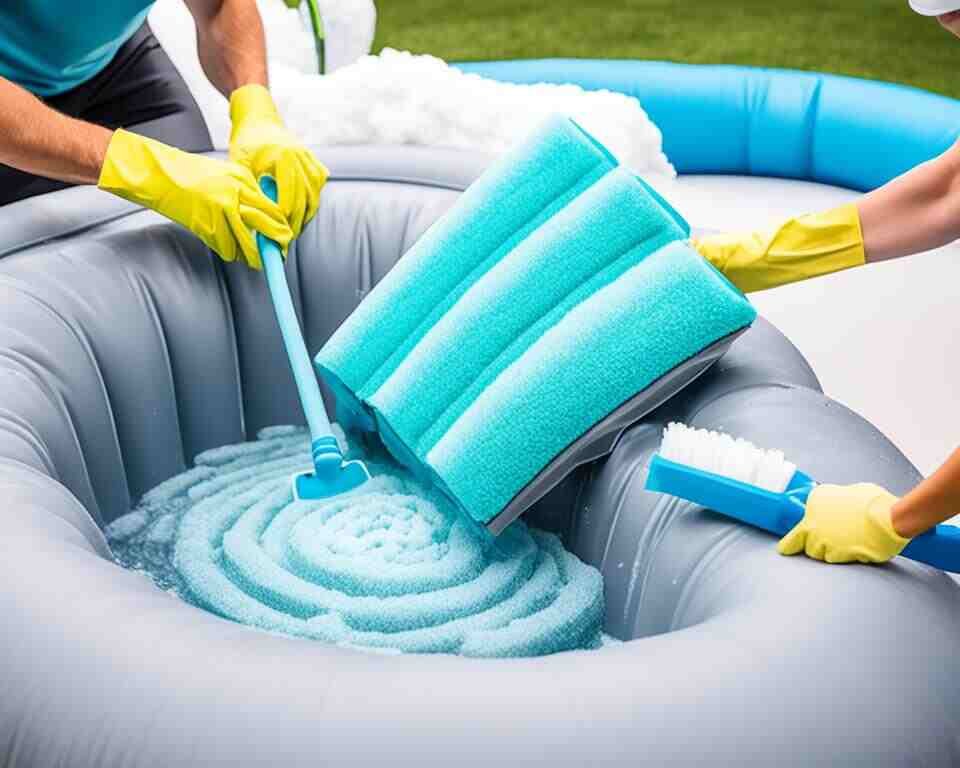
779,512
303,373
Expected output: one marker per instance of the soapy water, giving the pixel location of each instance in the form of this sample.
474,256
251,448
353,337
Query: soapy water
389,566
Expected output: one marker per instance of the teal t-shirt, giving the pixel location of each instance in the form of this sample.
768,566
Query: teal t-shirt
51,46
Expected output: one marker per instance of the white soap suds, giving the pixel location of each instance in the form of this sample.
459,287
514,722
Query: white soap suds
400,98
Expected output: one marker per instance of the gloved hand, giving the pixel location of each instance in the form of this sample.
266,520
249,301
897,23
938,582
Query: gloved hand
843,523
218,201
810,245
259,141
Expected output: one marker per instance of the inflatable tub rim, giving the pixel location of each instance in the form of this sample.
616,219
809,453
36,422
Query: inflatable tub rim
833,129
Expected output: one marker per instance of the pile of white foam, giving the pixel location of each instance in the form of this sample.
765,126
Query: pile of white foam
401,98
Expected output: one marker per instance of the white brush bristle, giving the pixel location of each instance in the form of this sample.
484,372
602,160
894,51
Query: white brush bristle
731,457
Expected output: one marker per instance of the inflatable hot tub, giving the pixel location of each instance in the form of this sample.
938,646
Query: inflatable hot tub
126,349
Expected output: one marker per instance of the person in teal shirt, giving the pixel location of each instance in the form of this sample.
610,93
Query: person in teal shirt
87,95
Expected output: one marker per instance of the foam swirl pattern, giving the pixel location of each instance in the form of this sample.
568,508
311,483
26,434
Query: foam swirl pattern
389,566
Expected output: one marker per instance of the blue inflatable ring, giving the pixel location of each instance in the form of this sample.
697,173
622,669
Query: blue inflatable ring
837,130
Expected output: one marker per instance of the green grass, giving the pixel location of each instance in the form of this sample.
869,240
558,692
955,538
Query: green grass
879,39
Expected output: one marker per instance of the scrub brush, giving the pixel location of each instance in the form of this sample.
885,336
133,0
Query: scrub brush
760,487
331,474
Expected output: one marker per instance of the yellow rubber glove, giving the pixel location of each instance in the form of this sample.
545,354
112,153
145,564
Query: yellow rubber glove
810,245
218,201
846,523
259,141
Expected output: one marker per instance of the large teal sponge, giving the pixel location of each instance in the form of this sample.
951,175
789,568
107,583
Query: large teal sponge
555,290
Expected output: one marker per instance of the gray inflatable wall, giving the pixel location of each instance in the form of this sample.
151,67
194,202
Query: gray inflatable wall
126,348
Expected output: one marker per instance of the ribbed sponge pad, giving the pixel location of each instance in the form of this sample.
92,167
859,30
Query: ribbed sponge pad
557,288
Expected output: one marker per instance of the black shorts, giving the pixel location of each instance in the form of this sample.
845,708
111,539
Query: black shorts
140,90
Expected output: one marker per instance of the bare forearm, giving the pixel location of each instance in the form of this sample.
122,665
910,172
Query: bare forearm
915,212
934,500
230,43
40,140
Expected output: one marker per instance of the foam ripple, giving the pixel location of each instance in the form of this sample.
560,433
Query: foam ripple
389,566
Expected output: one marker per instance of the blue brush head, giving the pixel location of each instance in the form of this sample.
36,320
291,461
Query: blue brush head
350,475
331,474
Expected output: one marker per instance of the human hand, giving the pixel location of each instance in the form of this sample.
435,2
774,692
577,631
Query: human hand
846,523
259,141
218,201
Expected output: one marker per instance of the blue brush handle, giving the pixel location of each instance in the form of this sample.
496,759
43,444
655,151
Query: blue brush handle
779,512
773,512
321,435
939,547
